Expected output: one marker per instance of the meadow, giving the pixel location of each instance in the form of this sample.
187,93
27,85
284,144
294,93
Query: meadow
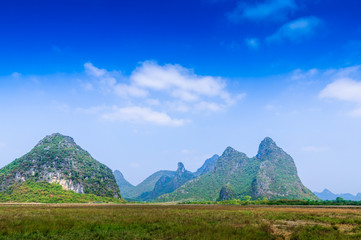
150,221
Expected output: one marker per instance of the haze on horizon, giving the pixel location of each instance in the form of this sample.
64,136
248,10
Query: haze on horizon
142,85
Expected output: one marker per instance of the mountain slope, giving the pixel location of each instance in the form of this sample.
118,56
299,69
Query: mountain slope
277,175
44,192
167,184
58,159
124,185
147,185
161,182
208,166
272,174
230,169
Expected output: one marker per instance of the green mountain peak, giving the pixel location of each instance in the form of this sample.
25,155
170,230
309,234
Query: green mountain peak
271,173
58,159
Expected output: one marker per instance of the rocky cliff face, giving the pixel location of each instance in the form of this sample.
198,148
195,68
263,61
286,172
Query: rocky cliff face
57,158
227,193
277,174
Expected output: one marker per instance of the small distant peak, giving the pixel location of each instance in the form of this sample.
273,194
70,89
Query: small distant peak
326,191
215,156
118,173
180,167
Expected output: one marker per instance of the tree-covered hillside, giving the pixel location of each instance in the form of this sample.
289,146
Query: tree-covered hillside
58,159
44,192
271,174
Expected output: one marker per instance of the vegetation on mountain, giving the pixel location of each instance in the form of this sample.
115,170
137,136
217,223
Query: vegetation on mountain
146,186
161,182
124,185
271,174
208,166
167,184
59,159
227,193
44,192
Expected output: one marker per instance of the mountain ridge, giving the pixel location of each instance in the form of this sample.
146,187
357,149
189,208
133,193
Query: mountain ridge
160,181
328,195
271,174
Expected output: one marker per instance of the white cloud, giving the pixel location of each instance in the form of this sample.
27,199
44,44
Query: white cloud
252,43
139,115
266,10
124,90
87,86
180,82
91,70
108,82
171,79
169,88
209,106
296,30
300,74
345,87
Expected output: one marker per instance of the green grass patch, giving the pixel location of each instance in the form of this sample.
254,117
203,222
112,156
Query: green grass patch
44,192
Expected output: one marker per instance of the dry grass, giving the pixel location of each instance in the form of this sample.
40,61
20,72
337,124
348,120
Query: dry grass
89,221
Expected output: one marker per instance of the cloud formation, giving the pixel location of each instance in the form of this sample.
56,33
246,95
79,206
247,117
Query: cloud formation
109,82
142,114
178,81
344,89
267,10
153,91
296,30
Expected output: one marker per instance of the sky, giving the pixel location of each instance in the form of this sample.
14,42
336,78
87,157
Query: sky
142,85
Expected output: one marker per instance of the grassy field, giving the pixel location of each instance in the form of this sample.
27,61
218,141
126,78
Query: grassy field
83,221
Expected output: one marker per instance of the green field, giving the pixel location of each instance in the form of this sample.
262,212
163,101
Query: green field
84,221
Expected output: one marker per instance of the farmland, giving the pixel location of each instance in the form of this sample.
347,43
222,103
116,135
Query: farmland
126,221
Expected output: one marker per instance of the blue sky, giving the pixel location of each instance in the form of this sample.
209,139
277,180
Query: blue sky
144,84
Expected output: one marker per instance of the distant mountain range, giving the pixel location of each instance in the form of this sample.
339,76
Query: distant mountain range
161,182
57,165
328,195
270,174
